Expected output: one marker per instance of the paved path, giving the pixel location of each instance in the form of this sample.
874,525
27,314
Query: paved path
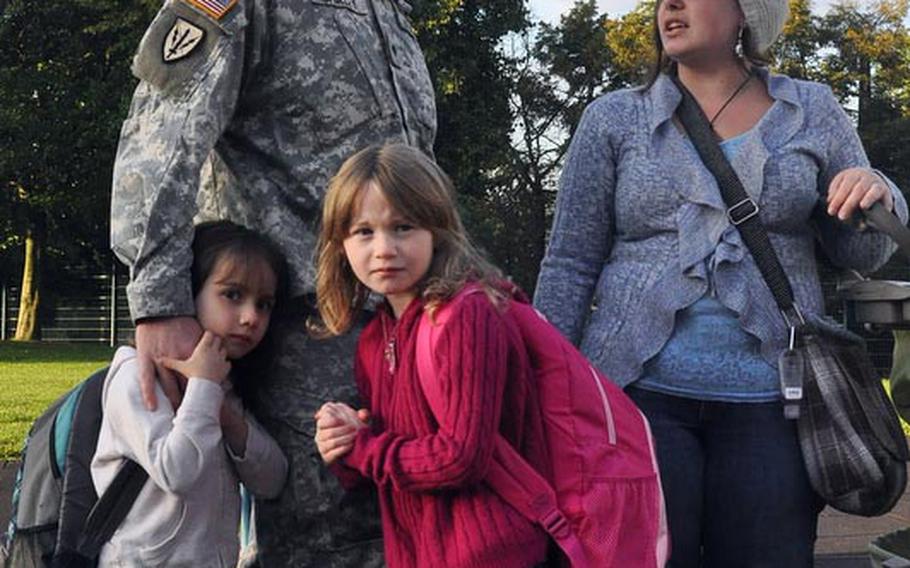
844,539
844,534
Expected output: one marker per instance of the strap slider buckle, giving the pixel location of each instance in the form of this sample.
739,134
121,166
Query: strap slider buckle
556,524
742,211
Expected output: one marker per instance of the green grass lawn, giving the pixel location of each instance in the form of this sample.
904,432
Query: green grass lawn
32,375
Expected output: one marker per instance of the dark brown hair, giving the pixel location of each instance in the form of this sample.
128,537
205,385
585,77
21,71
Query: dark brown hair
218,241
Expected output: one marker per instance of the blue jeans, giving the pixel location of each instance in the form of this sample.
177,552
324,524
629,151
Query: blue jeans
736,489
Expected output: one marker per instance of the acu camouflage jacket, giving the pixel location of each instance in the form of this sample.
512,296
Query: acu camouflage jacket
244,111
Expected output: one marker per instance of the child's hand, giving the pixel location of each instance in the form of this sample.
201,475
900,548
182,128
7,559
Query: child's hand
208,361
336,427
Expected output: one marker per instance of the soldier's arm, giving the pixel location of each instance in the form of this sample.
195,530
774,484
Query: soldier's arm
190,64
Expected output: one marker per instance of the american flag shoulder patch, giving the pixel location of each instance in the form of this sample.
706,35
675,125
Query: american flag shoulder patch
214,8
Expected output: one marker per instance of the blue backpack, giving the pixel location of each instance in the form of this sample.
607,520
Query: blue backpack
57,518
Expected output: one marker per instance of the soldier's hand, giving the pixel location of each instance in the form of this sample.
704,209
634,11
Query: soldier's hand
166,337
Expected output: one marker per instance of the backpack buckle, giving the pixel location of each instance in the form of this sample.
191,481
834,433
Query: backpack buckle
742,211
555,524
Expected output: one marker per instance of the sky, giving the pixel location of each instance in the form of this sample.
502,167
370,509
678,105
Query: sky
549,10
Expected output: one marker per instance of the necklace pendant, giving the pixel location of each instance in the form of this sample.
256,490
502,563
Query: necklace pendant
390,356
731,98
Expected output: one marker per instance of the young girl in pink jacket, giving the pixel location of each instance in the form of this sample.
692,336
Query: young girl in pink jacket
390,228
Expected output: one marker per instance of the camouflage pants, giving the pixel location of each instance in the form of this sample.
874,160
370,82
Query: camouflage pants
314,522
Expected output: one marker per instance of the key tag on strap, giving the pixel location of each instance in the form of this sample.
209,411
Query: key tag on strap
792,370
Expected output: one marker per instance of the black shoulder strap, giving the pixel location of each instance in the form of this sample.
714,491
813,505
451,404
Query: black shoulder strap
104,518
112,507
741,209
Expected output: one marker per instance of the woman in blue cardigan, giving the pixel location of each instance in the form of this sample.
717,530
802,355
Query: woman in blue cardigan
646,273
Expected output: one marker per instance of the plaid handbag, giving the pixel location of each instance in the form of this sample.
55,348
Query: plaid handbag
852,444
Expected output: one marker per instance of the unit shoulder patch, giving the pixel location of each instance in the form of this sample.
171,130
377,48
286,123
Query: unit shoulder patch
181,40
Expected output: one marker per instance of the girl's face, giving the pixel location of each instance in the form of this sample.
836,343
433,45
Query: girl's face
236,301
388,253
698,30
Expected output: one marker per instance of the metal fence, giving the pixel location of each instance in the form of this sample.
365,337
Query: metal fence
93,308
90,309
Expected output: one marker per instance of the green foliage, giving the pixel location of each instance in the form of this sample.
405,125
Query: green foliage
795,51
865,55
32,375
554,72
64,88
460,39
577,55
631,41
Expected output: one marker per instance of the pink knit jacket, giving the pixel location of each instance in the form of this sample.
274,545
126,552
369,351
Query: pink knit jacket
436,510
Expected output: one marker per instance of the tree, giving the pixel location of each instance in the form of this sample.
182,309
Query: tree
461,40
631,42
866,57
64,86
555,71
796,51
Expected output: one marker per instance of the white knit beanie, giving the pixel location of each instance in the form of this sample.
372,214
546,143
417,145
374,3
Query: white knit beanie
765,20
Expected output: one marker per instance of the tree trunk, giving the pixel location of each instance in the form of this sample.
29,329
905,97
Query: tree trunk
865,95
27,322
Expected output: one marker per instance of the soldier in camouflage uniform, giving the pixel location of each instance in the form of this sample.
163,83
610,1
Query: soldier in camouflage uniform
244,110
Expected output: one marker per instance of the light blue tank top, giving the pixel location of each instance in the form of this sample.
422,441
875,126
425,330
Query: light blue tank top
709,356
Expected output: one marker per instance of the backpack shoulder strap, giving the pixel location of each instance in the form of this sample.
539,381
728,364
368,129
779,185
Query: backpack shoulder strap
76,432
112,507
115,503
510,476
88,521
427,335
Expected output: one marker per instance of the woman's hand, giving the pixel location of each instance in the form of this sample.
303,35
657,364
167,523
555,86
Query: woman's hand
336,427
208,361
857,187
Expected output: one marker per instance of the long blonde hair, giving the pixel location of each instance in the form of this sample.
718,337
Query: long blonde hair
421,192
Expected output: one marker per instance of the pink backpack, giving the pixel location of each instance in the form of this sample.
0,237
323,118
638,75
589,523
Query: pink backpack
604,506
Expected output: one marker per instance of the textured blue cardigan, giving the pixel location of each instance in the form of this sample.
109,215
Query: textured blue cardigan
640,222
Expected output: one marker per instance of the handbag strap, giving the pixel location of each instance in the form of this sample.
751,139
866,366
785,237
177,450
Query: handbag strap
742,210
